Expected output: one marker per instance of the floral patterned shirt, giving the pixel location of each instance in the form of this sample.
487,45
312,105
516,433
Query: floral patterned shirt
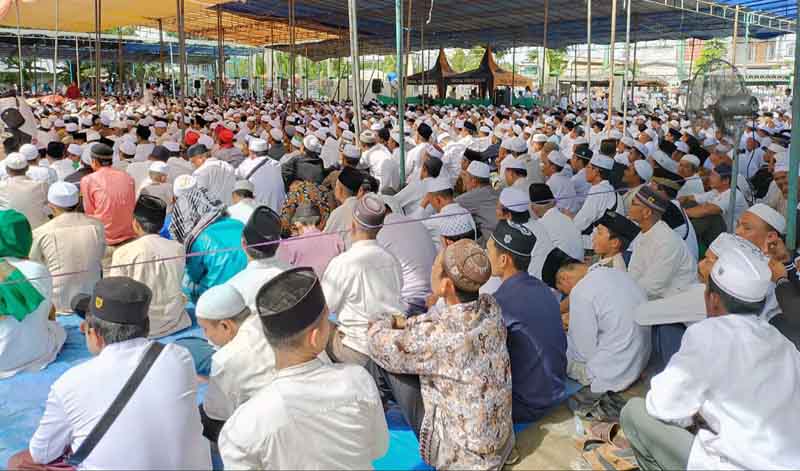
464,369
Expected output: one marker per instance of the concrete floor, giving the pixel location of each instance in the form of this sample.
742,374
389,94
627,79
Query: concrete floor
550,444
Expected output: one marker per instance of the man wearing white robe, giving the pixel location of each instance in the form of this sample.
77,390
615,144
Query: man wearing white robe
601,197
265,174
216,176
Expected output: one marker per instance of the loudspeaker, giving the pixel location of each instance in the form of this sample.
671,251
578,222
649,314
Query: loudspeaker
284,84
377,85
197,84
245,84
502,97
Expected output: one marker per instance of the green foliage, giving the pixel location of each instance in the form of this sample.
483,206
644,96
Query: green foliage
557,61
713,49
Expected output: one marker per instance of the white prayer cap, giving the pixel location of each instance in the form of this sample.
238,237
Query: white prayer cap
682,147
29,151
244,185
160,124
92,136
743,273
643,169
220,302
63,194
16,161
127,147
442,137
59,123
602,161
642,149
557,158
440,183
257,145
71,127
206,141
710,141
511,162
351,152
172,146
614,134
769,216
507,144
158,167
664,161
692,159
299,130
433,151
623,159
376,127
45,123
479,169
540,138
456,224
725,242
514,199
553,139
628,141
722,148
485,130
519,145
776,148
74,149
276,134
343,126
183,184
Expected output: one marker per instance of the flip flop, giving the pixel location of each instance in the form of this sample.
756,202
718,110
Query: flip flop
608,457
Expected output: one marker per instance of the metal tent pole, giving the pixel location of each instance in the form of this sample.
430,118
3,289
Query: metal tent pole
513,69
172,70
97,65
182,49
161,47
794,155
633,73
19,48
611,48
291,54
401,89
120,73
734,39
544,47
220,55
588,67
575,73
627,62
55,50
409,63
353,16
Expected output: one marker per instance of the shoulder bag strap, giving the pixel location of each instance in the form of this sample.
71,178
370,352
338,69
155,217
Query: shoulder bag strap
117,405
257,167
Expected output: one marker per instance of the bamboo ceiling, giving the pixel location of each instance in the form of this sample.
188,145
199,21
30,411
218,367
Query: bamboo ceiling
246,30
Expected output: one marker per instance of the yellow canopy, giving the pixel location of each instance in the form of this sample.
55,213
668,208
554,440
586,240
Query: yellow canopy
78,15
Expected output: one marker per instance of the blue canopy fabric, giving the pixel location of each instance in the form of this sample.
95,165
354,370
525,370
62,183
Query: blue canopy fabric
506,23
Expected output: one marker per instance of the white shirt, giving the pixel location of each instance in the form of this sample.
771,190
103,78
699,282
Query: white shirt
330,152
70,243
451,159
750,161
564,191
239,369
692,186
242,210
159,428
410,196
267,180
139,171
143,151
602,332
410,242
218,178
177,167
543,247
167,311
414,162
382,166
312,416
581,186
340,220
600,198
27,196
32,344
63,168
661,263
743,377
42,173
722,201
362,284
563,233
248,281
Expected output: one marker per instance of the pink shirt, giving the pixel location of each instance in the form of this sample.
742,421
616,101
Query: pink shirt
313,249
110,196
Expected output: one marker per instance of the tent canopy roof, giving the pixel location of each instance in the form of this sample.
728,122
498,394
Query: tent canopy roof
441,70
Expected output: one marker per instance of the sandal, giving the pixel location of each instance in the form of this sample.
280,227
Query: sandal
608,457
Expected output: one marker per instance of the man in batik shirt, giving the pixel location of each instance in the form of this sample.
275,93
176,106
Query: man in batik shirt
461,358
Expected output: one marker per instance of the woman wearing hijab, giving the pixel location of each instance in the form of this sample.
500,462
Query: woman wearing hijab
29,341
203,227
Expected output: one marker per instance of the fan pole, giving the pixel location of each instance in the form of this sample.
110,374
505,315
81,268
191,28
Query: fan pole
794,156
353,8
588,68
734,180
401,86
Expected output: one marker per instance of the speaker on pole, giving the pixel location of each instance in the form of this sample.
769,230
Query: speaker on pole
377,85
197,85
245,84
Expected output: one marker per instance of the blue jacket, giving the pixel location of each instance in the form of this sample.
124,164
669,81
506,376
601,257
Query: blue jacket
205,271
537,345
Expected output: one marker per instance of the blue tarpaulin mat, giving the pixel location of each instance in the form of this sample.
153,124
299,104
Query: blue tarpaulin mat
23,397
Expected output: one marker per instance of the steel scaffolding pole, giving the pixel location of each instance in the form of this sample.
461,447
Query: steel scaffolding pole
55,50
97,64
77,64
544,48
181,49
588,67
292,56
353,17
794,155
611,48
220,55
19,49
161,47
401,89
627,61
735,38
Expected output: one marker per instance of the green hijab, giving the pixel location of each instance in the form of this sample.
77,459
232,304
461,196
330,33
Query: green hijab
18,297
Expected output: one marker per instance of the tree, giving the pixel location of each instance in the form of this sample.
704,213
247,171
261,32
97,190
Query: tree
557,61
459,61
713,49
